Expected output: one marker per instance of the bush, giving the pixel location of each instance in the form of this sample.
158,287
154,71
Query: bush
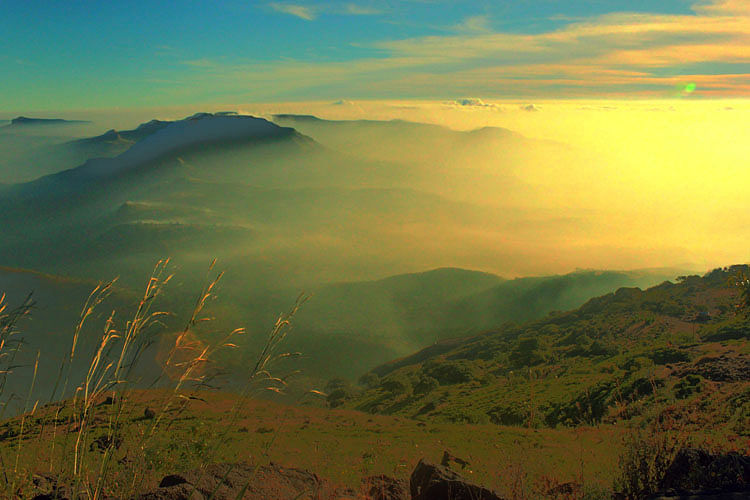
339,396
598,348
395,385
667,355
690,384
369,380
527,352
736,331
645,458
508,415
449,372
426,385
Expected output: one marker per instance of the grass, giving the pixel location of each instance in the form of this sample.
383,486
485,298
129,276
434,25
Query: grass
341,445
120,434
67,432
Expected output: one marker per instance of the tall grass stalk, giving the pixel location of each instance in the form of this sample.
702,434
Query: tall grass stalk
10,340
111,372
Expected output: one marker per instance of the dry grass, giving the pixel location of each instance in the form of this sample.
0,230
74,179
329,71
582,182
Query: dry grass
101,399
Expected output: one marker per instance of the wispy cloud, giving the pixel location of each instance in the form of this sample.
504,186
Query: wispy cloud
361,10
473,24
613,55
301,11
312,11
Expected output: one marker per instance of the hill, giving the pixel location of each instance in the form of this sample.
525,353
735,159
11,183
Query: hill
348,328
23,121
643,354
31,147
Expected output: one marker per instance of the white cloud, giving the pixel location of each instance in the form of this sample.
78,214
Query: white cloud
301,11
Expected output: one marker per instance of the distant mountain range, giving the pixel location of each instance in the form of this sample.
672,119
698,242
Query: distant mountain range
22,121
258,184
285,212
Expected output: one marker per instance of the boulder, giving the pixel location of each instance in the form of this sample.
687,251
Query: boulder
435,482
696,470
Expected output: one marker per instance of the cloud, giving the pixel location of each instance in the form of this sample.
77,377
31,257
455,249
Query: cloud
345,103
360,10
472,102
614,55
301,11
724,7
199,63
473,24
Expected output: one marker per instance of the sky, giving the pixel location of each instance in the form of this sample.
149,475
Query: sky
93,55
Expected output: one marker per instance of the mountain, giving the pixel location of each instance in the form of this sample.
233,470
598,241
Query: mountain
413,141
31,147
489,165
72,202
22,121
109,144
268,189
647,354
347,328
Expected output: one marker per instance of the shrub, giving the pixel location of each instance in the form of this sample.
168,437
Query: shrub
508,415
369,380
598,348
645,458
667,355
339,396
527,352
426,385
690,384
737,331
449,372
395,385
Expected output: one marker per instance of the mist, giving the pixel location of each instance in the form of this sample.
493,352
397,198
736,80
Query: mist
336,203
603,184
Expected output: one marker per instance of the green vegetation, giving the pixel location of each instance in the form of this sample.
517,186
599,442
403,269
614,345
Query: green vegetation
630,355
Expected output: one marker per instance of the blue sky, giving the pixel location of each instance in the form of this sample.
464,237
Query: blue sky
93,54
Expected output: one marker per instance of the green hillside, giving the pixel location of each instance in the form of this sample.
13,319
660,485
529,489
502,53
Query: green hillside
677,349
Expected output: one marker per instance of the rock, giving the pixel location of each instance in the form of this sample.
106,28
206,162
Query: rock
172,480
385,488
241,480
696,470
448,457
435,482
